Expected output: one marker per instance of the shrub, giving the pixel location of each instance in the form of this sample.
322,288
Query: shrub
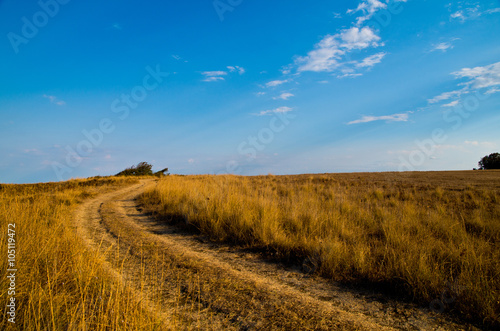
142,169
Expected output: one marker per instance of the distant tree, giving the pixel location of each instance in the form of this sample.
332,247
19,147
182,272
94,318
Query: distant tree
142,169
162,173
491,161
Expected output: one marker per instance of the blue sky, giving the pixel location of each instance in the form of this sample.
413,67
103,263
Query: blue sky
246,87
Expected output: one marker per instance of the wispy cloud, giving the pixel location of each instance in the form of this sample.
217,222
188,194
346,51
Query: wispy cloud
368,9
219,75
372,60
447,96
286,70
471,11
334,52
328,55
349,75
487,77
458,15
451,104
493,11
481,77
214,76
480,143
465,14
117,26
274,111
389,118
238,69
276,83
443,47
178,58
54,100
284,96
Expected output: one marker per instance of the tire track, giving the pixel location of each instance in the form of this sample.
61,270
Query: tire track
204,285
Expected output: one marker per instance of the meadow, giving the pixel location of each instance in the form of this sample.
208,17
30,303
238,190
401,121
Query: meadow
433,237
60,283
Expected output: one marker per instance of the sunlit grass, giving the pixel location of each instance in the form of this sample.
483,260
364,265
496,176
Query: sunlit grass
416,233
60,283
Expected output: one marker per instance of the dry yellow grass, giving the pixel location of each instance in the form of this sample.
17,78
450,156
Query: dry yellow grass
415,232
60,284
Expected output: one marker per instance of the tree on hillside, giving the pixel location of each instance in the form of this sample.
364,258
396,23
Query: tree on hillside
162,173
142,169
491,161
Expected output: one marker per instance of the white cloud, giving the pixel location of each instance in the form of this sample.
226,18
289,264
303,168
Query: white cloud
328,53
480,143
273,111
54,100
487,77
459,14
213,79
286,70
213,76
481,77
259,94
451,104
442,47
349,75
493,11
472,12
447,96
325,56
371,60
493,90
368,8
356,38
240,70
214,73
276,83
337,15
389,118
284,96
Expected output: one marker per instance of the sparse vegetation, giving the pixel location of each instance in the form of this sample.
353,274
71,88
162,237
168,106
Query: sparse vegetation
141,169
161,173
412,232
62,285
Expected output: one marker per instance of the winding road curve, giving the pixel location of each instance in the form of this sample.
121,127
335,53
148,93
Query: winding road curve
186,279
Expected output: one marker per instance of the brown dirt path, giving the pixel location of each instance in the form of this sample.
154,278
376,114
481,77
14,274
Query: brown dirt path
193,283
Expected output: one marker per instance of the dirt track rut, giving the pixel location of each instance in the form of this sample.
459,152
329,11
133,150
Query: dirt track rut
192,281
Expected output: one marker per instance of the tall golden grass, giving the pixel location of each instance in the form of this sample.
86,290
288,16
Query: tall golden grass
61,284
415,232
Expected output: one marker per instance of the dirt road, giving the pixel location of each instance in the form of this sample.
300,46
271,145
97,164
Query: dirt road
192,283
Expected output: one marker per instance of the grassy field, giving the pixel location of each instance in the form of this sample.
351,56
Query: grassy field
60,284
434,236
